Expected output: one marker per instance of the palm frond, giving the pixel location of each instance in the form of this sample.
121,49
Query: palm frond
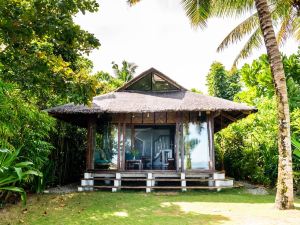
286,27
231,8
254,42
240,31
198,11
296,28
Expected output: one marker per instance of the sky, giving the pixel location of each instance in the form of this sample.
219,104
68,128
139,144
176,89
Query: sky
157,33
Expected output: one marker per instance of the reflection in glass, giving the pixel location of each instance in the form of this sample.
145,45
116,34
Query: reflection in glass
152,150
143,84
159,84
152,82
106,150
196,147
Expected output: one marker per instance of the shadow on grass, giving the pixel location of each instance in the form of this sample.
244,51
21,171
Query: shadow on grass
157,213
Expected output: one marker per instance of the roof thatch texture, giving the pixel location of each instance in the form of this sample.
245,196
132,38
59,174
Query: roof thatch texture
138,102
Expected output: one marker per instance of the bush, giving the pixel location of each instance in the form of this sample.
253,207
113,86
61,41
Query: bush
13,174
247,149
67,159
24,129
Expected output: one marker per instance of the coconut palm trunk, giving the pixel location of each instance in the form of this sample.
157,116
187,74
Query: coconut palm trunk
284,195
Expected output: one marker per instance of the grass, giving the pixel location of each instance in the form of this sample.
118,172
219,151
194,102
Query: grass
195,207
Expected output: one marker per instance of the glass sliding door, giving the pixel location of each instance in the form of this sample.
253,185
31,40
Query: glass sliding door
152,148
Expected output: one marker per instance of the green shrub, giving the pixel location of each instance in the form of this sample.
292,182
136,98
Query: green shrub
247,149
14,173
24,127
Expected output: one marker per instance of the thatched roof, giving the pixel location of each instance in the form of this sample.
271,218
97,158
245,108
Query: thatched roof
174,98
138,102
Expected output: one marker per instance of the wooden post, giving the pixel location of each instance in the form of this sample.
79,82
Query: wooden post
119,139
123,146
213,142
132,137
177,143
210,126
181,146
91,143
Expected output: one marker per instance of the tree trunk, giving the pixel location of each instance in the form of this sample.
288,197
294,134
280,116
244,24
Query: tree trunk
284,195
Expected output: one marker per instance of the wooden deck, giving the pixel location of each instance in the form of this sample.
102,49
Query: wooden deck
154,180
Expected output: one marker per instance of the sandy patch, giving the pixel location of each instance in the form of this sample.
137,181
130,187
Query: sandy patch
242,213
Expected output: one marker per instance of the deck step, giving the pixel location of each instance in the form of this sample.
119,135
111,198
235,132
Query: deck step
158,187
157,179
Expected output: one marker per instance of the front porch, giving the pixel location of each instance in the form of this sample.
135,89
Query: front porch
152,151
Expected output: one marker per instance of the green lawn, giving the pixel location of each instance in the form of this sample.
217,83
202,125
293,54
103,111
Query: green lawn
195,207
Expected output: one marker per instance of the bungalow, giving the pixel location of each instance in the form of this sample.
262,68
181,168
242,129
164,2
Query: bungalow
152,133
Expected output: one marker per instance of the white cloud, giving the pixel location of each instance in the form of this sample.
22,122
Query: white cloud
157,33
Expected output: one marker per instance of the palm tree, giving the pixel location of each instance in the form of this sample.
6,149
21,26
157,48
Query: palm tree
199,11
284,14
284,195
126,72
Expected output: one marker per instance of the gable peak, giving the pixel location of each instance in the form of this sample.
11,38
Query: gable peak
151,80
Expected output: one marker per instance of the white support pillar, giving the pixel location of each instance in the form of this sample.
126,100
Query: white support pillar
149,182
87,175
219,176
117,182
211,183
183,181
87,183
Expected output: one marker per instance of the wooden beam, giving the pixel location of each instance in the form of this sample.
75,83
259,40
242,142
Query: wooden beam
246,112
216,114
227,116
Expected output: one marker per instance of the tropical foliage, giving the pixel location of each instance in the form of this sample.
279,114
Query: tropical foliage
247,149
13,172
23,126
42,64
126,72
222,83
285,16
42,50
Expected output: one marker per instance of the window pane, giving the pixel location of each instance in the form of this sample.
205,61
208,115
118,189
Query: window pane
143,84
106,151
159,84
196,148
